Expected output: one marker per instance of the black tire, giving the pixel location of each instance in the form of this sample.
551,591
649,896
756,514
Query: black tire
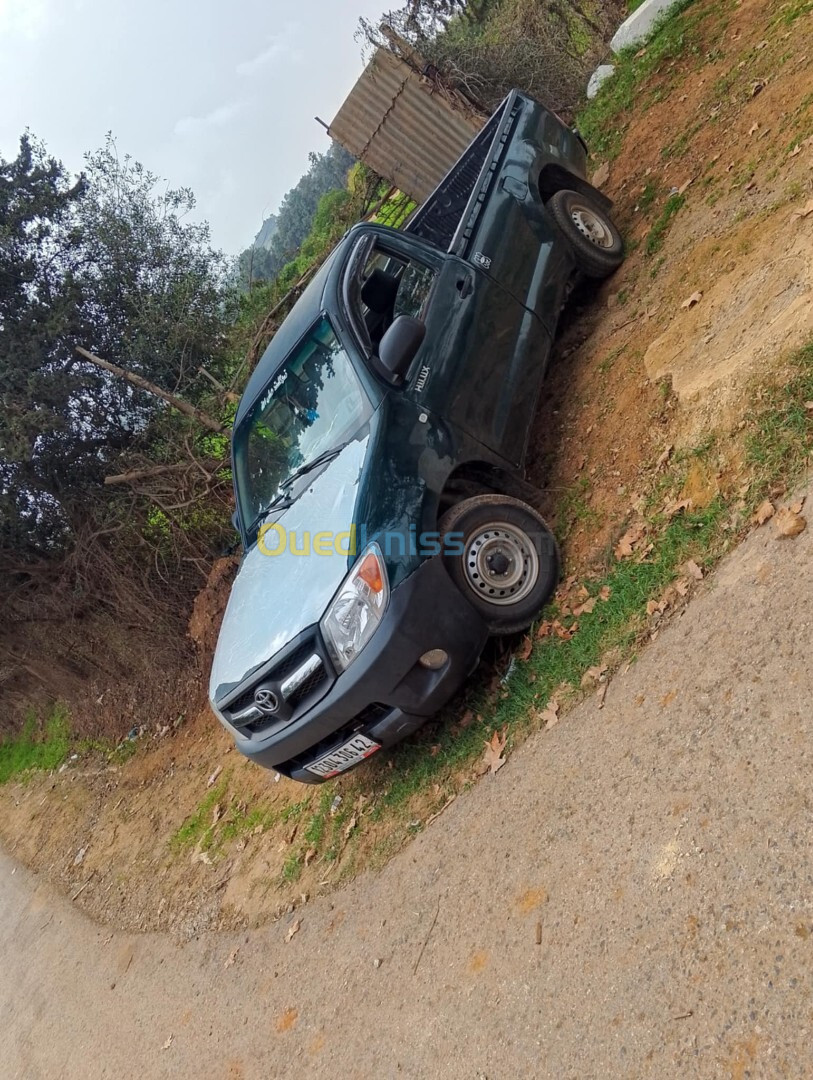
521,539
595,240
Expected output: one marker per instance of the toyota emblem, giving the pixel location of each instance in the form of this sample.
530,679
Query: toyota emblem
266,700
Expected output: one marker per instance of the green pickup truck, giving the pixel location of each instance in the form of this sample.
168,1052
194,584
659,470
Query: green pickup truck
378,454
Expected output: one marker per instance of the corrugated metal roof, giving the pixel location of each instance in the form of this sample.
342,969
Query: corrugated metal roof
400,124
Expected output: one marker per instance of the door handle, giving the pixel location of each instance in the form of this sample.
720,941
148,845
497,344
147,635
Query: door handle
465,286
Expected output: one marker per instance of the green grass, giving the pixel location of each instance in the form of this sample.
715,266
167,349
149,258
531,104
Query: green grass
780,443
603,121
657,234
33,749
198,829
778,448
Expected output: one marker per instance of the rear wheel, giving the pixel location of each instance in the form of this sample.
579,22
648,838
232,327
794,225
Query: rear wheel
594,238
509,563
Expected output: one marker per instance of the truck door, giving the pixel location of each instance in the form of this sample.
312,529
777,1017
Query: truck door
483,360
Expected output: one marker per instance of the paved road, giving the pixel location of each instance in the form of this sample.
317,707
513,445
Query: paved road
663,845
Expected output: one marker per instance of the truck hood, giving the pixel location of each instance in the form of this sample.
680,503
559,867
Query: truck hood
274,597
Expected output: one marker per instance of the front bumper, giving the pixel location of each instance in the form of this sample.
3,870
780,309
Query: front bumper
385,693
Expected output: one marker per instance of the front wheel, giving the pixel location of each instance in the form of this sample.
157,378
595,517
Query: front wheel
595,240
503,558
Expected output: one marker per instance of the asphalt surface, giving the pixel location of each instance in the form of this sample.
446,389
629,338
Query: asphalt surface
631,895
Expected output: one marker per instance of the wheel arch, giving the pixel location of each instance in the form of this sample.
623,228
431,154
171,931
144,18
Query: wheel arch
482,478
553,178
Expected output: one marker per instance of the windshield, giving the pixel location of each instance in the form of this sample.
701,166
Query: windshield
313,404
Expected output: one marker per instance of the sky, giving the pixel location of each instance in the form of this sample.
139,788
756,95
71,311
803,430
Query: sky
219,97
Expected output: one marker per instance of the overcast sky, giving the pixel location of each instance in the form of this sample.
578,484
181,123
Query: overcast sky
216,96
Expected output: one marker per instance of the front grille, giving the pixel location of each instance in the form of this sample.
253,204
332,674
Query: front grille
240,712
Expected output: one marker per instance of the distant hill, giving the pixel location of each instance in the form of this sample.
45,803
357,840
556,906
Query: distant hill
267,233
281,235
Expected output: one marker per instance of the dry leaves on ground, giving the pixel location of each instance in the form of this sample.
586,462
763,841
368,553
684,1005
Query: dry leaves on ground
764,512
693,570
601,175
690,302
633,536
667,453
525,649
806,211
549,716
293,929
593,674
788,522
586,607
493,757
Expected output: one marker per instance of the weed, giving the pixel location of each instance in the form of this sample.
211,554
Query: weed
197,828
647,196
293,867
46,749
657,234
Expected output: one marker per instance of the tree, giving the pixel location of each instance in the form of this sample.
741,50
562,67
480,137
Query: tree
107,262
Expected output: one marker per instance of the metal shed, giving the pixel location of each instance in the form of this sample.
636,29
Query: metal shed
406,126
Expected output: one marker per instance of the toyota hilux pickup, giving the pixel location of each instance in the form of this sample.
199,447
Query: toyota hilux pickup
378,455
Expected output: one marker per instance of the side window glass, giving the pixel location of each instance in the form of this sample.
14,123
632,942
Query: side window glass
392,286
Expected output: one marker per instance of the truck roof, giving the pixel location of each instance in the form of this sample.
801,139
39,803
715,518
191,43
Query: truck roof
294,326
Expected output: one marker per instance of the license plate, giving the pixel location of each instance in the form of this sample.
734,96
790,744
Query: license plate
356,749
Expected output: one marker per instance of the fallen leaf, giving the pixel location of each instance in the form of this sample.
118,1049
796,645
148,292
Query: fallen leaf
753,130
695,298
605,592
550,715
693,570
231,957
351,824
435,749
168,1043
564,632
655,606
601,175
667,453
586,607
681,587
796,508
216,813
310,855
467,719
809,406
796,150
765,511
493,757
756,86
787,524
633,535
293,929
593,674
674,506
544,629
806,210
214,776
526,648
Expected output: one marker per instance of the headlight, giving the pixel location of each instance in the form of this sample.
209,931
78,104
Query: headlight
356,609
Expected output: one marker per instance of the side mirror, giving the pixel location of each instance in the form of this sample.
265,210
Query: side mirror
399,346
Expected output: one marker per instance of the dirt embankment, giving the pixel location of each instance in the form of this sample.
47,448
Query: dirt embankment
711,187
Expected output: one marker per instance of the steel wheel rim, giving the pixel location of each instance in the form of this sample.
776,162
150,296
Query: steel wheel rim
486,554
591,227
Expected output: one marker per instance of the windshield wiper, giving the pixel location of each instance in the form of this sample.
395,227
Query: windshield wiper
320,459
284,499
